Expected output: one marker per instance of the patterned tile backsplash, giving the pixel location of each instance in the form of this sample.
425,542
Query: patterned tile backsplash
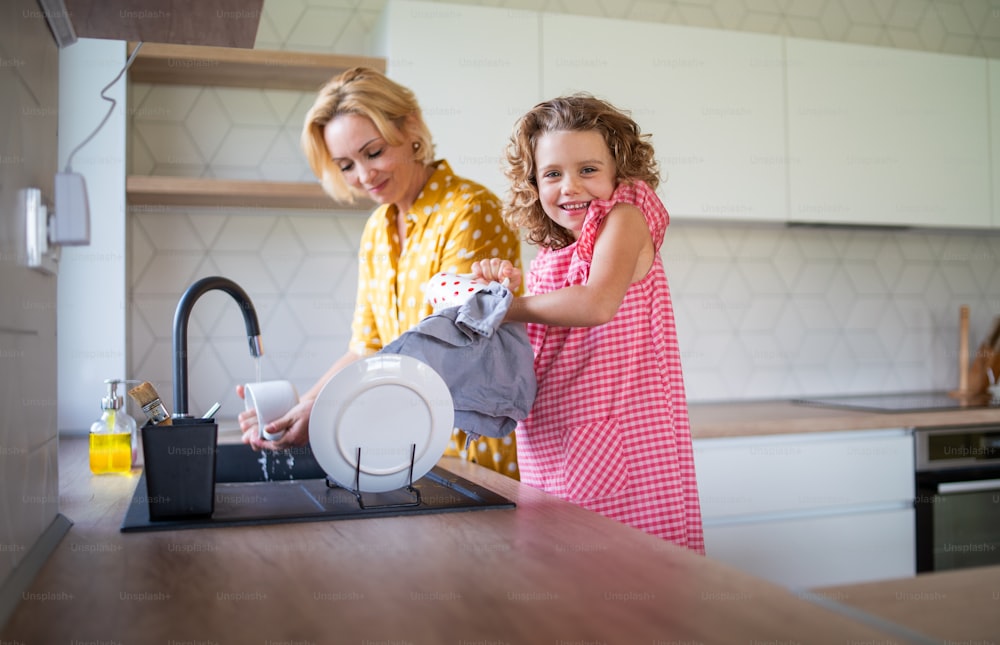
763,311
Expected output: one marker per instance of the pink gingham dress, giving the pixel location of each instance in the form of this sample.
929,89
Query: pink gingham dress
609,429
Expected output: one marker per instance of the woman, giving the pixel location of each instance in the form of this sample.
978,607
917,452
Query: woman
365,135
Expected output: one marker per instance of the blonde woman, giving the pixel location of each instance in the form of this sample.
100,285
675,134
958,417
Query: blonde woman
365,136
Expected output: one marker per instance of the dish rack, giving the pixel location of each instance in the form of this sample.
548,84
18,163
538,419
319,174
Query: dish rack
359,496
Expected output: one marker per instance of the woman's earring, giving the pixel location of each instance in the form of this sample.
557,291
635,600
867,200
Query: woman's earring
416,146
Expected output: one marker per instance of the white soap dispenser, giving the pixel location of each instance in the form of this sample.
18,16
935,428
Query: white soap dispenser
113,437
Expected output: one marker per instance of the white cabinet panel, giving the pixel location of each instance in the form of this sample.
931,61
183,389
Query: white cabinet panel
474,71
713,101
813,552
810,509
887,136
803,472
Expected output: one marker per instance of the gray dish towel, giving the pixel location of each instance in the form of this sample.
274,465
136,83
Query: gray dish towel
487,364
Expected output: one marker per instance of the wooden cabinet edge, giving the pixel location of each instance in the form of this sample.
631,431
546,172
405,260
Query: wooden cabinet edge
230,67
158,191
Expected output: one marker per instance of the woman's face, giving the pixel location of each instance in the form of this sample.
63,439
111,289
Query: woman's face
573,168
389,174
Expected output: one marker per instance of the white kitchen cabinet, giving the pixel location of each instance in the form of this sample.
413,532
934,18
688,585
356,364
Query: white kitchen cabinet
474,70
712,100
811,552
747,127
887,136
808,510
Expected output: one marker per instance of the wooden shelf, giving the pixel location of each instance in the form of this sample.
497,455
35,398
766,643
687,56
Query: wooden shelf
230,67
165,64
148,190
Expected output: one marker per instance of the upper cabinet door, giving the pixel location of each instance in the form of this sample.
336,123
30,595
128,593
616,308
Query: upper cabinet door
474,70
886,136
713,101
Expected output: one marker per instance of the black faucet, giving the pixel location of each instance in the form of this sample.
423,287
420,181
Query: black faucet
181,316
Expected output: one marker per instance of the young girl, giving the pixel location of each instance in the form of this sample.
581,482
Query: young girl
609,428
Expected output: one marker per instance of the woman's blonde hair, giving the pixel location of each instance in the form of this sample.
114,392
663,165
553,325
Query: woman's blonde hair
392,108
630,149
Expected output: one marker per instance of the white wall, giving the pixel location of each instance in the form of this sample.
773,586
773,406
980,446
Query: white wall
92,297
762,310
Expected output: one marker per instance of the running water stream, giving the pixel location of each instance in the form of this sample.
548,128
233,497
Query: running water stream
266,455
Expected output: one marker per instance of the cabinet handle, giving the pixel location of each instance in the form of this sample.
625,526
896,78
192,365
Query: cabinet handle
968,487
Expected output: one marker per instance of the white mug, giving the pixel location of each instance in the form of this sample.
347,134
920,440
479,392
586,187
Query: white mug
451,289
271,400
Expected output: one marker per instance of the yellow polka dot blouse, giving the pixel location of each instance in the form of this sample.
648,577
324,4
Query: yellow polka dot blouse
452,223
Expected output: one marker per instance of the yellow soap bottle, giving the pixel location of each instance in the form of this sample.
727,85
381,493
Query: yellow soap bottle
113,436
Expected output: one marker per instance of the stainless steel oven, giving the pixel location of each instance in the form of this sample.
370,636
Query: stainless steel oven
957,497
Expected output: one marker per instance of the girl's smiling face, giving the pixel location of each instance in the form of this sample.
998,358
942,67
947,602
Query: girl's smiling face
573,168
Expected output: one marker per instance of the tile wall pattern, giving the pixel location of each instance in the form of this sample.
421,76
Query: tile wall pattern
29,451
763,311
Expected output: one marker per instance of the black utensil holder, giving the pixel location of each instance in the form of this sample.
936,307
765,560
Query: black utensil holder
180,468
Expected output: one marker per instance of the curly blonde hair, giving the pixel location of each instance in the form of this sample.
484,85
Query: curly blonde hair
366,92
630,149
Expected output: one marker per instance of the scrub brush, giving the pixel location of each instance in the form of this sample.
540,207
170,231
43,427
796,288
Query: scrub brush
145,395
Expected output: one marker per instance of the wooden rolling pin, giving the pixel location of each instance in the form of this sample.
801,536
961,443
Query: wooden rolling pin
973,381
963,348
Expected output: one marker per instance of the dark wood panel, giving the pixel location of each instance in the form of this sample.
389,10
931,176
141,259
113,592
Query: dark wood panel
222,23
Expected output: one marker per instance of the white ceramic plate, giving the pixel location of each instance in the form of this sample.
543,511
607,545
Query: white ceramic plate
383,404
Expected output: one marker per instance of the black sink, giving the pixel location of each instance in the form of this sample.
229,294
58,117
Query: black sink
254,488
238,463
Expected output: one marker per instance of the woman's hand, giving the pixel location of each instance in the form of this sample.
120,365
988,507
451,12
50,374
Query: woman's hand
497,270
294,424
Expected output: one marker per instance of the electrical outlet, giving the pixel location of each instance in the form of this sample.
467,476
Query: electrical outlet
32,211
71,224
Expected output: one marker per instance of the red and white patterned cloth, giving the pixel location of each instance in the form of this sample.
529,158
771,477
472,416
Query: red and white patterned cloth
609,430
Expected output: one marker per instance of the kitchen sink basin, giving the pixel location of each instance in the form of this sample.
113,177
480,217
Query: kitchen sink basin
254,488
239,463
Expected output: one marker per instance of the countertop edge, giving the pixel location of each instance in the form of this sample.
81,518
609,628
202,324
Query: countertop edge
734,419
948,605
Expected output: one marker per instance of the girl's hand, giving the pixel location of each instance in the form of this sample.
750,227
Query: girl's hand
497,270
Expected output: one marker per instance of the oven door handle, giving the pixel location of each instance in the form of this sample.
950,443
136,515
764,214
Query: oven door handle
968,487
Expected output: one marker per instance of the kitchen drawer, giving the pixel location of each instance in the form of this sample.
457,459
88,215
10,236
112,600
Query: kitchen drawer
807,552
803,472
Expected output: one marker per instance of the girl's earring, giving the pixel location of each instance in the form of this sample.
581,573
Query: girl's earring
416,146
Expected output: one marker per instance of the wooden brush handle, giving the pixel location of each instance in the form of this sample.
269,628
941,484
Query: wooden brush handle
152,406
963,349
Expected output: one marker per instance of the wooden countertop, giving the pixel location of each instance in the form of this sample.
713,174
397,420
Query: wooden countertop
545,572
961,606
754,418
